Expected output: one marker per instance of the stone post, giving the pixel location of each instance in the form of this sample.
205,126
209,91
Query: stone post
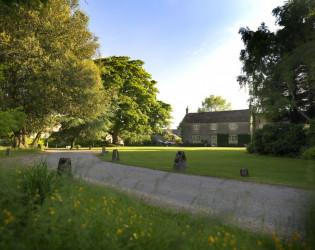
180,161
244,172
90,147
64,166
104,152
115,156
8,152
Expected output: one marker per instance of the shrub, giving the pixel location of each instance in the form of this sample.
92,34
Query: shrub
279,139
250,148
309,154
311,133
243,139
223,140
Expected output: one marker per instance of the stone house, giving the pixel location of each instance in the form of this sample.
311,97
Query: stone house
205,127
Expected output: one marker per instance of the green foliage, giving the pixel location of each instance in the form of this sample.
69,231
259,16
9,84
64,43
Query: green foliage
223,140
48,70
309,154
214,103
250,148
278,67
311,133
134,96
134,139
11,121
243,139
279,139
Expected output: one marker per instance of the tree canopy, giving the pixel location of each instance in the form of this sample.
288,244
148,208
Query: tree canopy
214,103
47,68
279,67
134,97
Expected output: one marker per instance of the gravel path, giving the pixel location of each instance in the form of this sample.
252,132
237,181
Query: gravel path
259,207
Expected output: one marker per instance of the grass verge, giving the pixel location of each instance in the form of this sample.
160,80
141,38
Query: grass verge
19,152
223,162
41,210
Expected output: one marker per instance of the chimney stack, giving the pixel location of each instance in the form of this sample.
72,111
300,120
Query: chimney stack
187,110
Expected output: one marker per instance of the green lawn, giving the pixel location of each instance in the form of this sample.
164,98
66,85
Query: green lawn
223,162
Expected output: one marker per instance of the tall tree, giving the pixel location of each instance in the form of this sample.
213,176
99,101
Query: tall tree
134,96
214,103
279,67
48,70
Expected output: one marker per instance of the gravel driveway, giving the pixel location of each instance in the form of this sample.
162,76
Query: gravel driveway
259,207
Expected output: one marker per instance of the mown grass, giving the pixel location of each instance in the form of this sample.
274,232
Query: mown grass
41,210
18,152
223,162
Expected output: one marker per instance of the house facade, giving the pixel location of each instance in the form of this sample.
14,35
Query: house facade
208,127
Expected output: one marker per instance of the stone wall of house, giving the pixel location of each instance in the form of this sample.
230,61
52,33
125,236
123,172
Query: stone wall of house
205,130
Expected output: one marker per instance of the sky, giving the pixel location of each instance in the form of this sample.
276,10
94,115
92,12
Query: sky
190,47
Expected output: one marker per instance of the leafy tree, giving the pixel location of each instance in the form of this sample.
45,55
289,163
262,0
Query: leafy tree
134,95
278,67
11,121
48,70
214,103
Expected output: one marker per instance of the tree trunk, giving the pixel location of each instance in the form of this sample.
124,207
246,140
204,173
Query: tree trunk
115,137
36,140
24,138
73,142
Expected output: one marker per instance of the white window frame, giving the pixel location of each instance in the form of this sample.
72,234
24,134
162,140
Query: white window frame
196,126
213,126
233,126
233,139
196,138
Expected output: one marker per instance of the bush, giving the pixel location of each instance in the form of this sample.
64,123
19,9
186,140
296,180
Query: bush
309,154
279,139
250,148
311,133
243,139
223,140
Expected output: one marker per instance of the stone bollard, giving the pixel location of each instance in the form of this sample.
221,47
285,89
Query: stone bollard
180,161
115,156
90,147
104,152
244,172
8,152
64,166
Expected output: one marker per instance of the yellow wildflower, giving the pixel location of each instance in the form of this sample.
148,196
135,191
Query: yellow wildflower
52,198
297,235
225,239
69,220
6,221
91,200
233,236
227,234
183,233
107,234
232,242
84,224
273,233
80,188
37,195
259,243
135,235
18,187
11,218
277,240
290,245
219,233
56,190
119,231
224,244
143,234
294,238
211,240
79,195
52,212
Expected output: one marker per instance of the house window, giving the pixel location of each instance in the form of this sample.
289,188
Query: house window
233,139
232,126
213,126
196,126
196,139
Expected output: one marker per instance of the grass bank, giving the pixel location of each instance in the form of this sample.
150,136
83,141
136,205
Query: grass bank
223,162
40,210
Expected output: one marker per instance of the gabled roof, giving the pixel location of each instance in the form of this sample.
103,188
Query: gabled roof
218,116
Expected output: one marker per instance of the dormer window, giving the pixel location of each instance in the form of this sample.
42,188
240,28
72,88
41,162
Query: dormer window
232,126
196,126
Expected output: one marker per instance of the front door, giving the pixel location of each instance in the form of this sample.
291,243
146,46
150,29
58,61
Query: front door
213,140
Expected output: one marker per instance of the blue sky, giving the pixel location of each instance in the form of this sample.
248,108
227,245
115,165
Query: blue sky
190,47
